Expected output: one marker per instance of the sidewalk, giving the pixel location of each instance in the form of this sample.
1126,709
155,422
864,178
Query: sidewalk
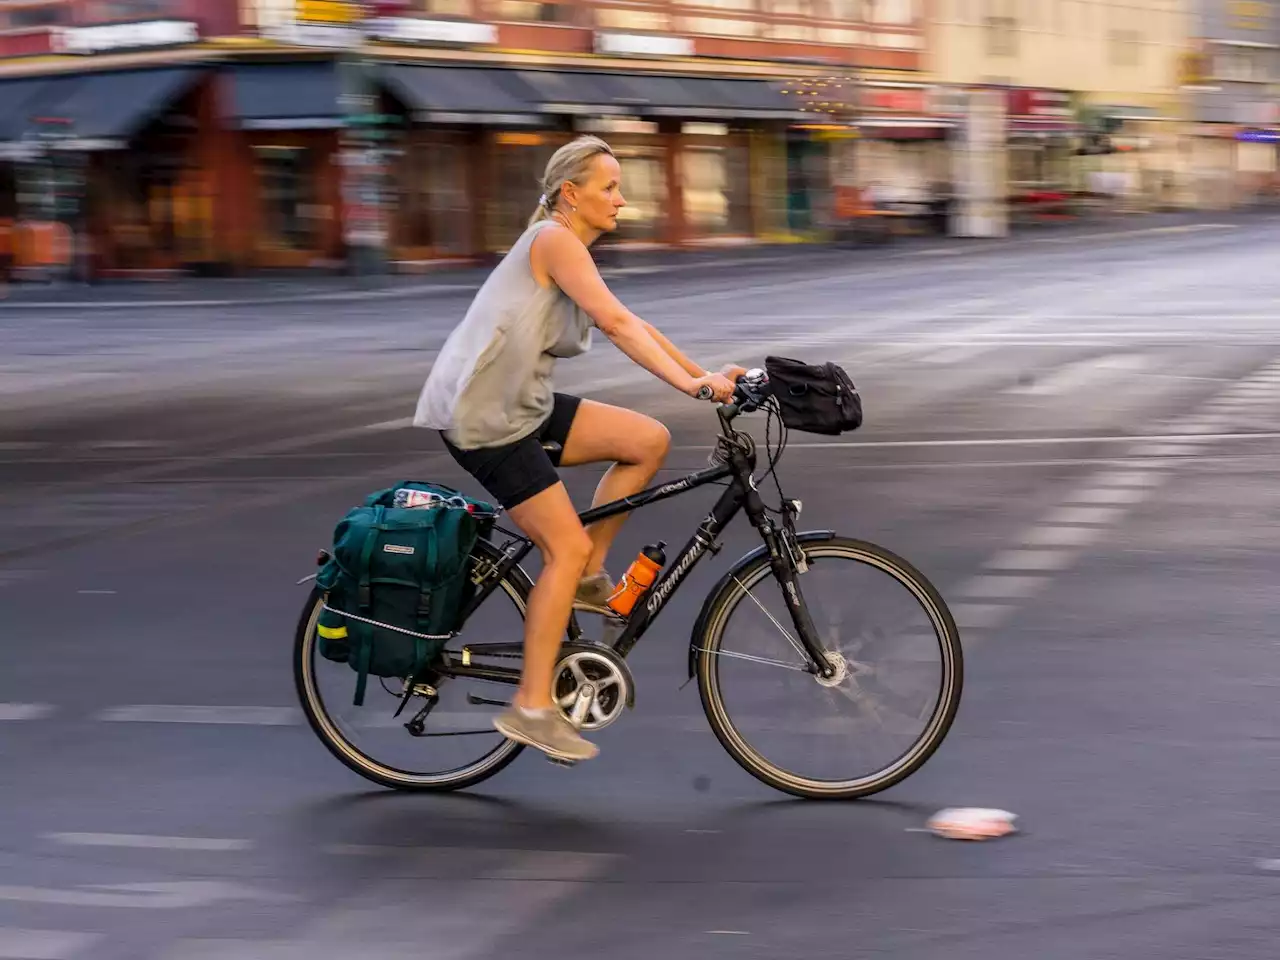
266,289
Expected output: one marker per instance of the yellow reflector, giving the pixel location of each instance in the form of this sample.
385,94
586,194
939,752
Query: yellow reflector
331,633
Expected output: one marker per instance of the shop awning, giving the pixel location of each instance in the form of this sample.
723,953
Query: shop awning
283,96
19,98
462,94
104,111
657,95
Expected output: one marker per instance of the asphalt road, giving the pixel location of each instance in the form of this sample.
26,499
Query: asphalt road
1076,440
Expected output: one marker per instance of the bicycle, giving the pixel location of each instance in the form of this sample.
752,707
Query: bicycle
594,684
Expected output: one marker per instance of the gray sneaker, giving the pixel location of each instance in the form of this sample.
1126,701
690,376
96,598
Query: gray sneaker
549,732
594,593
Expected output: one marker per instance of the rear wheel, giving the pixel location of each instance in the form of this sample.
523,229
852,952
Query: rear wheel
899,672
459,748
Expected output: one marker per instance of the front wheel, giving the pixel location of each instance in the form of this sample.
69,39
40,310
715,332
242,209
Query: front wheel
895,692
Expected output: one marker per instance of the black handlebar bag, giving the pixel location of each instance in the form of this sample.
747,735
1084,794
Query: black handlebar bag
815,398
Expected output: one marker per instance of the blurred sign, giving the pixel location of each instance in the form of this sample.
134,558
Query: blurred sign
328,11
1193,68
413,30
125,36
1038,103
329,24
1248,15
899,101
643,45
509,139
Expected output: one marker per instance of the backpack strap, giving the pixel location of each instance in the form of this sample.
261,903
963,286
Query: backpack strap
363,653
364,594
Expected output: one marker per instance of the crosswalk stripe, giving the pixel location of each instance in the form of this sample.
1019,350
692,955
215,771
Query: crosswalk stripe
18,943
176,713
147,842
25,711
445,918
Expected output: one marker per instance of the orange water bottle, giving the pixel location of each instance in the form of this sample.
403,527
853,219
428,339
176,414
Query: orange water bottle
640,576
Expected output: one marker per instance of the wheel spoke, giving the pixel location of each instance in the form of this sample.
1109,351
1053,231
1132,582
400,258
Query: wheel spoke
781,629
817,739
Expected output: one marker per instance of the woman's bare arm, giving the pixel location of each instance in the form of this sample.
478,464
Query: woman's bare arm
570,267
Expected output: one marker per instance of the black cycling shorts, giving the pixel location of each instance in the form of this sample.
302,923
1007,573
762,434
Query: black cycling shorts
514,472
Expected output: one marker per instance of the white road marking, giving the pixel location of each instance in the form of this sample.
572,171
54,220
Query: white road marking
1160,438
1091,516
171,713
97,593
730,933
147,842
1046,536
124,444
1014,560
996,587
1130,478
1107,495
1167,449
17,943
178,895
979,616
25,711
384,425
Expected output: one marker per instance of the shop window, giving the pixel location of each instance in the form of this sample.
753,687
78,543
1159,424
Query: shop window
716,190
1002,36
720,4
715,27
894,12
790,31
655,21
128,11
28,18
644,184
434,207
531,11
286,183
446,8
1126,48
519,164
846,11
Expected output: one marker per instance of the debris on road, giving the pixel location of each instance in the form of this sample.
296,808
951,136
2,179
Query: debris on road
972,823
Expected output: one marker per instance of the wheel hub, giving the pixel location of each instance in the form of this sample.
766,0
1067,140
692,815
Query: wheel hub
839,667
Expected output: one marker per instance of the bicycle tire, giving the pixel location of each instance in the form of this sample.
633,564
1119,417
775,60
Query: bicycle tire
719,611
516,585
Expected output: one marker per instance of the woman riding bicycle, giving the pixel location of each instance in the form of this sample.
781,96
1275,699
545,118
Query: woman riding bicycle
490,395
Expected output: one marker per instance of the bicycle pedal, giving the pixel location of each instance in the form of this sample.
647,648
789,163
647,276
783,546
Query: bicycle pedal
561,762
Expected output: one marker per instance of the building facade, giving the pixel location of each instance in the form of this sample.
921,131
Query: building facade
1231,86
1077,73
223,136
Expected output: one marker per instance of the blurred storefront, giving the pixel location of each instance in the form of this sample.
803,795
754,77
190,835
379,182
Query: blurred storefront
173,134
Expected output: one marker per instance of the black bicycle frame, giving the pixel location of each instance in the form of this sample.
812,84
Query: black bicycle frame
740,494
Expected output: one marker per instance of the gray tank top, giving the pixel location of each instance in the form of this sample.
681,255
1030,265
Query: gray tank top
491,383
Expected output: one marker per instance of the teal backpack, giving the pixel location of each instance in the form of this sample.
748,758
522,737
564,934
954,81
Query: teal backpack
397,579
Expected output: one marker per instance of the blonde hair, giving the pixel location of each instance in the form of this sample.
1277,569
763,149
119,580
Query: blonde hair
570,164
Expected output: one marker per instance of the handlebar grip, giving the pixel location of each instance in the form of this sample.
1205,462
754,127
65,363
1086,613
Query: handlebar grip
705,392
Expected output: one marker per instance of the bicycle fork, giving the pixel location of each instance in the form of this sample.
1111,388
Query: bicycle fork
787,561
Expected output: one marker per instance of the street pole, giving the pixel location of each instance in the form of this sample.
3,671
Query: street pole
362,189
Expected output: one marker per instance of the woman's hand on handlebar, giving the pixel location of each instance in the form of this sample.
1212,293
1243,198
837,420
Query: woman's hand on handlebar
715,387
